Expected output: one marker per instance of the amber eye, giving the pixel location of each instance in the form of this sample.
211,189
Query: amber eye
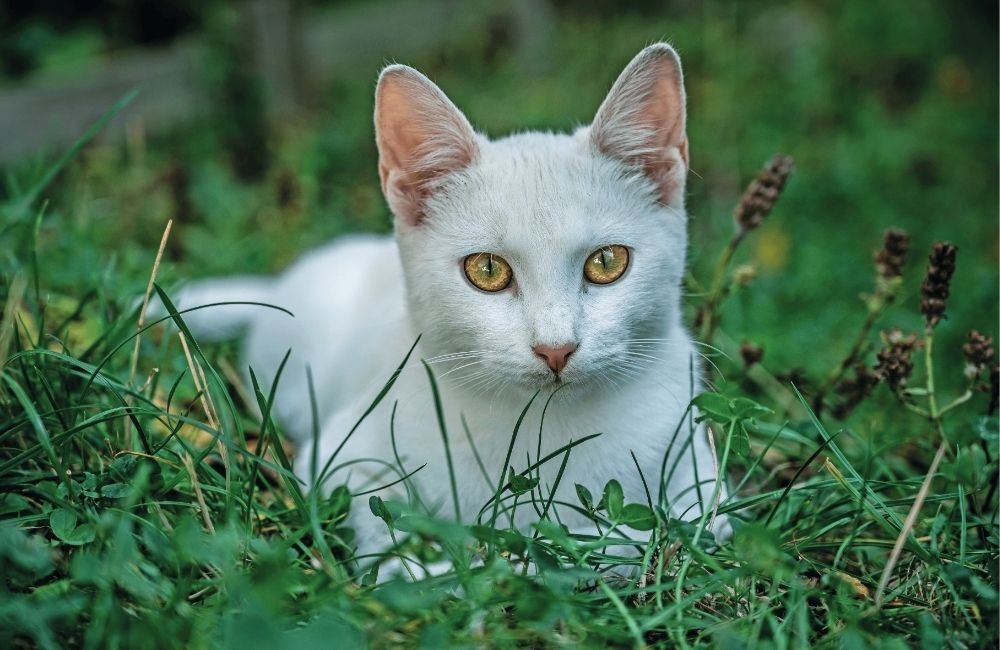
606,264
488,272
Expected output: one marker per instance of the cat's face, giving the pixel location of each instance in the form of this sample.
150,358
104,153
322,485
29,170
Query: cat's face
541,259
543,204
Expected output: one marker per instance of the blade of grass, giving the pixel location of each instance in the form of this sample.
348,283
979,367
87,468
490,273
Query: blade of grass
19,208
802,468
371,407
443,427
142,319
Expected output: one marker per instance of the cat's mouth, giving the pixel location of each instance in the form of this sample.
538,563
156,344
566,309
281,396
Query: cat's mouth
557,381
554,382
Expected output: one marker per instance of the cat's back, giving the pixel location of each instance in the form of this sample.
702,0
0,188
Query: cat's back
349,310
337,272
351,276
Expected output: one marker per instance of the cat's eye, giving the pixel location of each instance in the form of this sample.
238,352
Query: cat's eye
606,264
488,272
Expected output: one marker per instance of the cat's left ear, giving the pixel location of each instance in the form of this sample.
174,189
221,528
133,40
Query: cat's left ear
642,121
421,136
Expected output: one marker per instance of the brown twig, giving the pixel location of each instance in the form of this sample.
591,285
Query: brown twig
189,466
908,523
196,377
142,322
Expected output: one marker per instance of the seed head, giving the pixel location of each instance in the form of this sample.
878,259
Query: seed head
894,363
934,292
760,196
978,351
751,353
889,259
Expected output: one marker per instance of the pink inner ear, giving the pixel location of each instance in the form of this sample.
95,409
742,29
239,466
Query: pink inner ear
642,120
421,138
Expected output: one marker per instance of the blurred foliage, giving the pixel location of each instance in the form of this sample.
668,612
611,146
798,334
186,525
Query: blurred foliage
889,110
35,36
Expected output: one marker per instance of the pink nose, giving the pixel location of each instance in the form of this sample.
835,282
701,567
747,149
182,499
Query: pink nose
555,357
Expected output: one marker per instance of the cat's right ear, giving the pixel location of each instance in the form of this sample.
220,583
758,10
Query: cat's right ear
421,138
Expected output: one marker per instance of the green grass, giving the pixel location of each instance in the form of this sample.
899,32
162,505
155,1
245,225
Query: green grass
130,517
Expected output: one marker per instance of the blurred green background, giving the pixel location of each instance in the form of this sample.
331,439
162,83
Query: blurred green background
889,109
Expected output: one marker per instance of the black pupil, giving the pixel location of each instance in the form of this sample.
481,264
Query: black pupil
489,265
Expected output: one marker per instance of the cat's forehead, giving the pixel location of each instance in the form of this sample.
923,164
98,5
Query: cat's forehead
550,190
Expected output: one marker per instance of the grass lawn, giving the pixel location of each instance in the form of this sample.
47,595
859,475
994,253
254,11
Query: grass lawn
142,504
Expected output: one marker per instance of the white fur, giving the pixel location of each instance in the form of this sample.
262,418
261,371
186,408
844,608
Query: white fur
543,202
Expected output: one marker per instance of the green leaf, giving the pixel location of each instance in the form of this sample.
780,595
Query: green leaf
718,408
116,490
614,499
11,503
585,497
29,553
427,527
519,484
62,523
741,440
544,560
370,578
378,509
557,533
505,540
714,407
961,435
340,501
760,549
82,534
744,408
638,516
968,468
123,467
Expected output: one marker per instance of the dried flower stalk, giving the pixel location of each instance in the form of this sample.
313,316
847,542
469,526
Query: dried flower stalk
934,292
895,362
978,351
760,196
890,259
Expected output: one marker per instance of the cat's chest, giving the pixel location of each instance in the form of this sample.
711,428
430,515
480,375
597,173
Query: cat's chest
586,442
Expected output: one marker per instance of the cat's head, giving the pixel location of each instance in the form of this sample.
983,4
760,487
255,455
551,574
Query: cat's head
545,257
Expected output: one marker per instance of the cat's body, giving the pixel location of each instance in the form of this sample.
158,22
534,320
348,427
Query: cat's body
541,206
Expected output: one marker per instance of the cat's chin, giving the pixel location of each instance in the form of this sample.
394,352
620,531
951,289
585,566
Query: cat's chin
570,383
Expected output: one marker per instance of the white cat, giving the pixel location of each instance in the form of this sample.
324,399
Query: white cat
528,263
